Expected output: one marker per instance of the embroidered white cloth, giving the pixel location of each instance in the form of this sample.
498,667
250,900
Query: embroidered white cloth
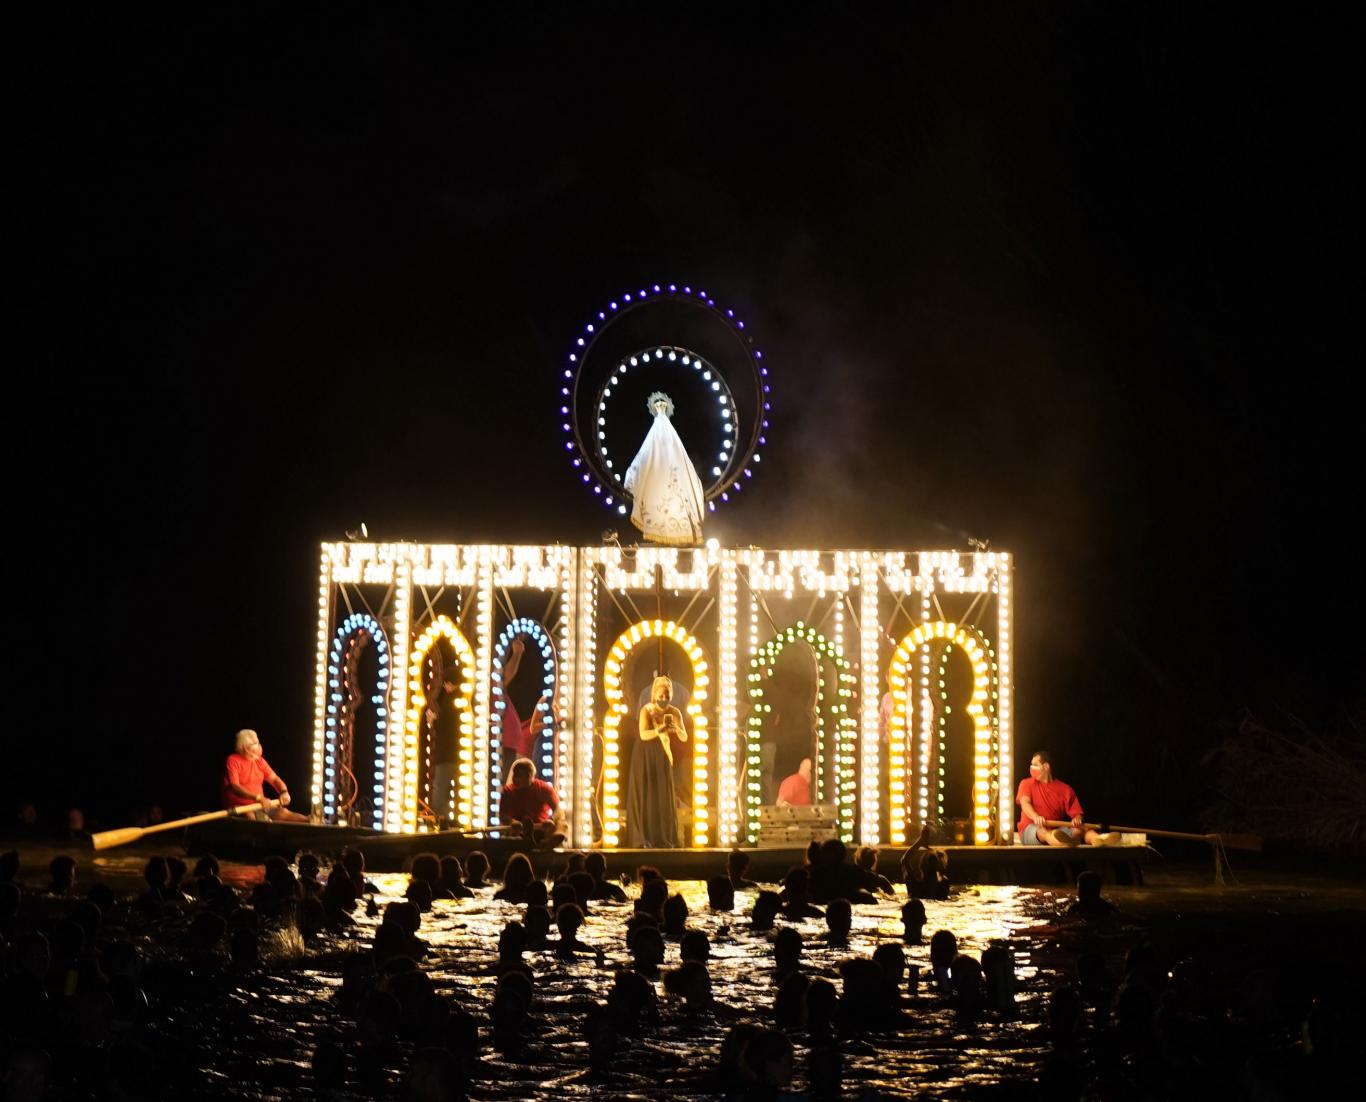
668,494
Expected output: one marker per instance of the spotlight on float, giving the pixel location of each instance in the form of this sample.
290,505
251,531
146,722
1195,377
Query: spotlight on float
361,533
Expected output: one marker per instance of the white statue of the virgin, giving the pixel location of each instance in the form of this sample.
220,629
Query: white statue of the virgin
668,494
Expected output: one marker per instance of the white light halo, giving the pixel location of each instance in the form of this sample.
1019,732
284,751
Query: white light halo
729,414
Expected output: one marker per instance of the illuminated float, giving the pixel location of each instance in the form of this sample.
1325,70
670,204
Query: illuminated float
902,658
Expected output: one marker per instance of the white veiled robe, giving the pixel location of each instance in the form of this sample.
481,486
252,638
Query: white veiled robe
668,494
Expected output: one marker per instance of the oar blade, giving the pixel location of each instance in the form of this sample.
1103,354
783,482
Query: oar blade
106,839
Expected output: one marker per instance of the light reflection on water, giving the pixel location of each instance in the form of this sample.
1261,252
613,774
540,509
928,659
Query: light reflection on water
283,1015
933,1048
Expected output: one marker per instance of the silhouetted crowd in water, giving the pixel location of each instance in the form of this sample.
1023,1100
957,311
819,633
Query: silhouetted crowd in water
86,976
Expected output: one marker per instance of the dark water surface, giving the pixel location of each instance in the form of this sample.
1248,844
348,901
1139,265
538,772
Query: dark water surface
254,1039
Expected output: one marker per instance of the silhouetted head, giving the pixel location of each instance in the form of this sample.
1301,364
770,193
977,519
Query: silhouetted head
721,893
646,945
766,907
426,866
833,852
595,864
518,873
63,871
891,958
1088,887
354,863
568,920
695,945
537,923
787,950
913,919
675,915
404,915
737,862
512,941
653,894
419,894
821,1002
692,982
943,948
452,875
839,918
969,987
476,868
797,884
563,892
584,886
865,857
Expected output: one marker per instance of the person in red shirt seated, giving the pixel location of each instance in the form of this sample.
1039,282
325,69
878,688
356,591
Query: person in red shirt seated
1042,798
528,800
245,774
795,791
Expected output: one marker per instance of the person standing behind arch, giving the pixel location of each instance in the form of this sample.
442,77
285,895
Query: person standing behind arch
651,821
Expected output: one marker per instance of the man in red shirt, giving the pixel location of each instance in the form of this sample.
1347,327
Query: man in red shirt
795,791
245,774
1042,798
530,801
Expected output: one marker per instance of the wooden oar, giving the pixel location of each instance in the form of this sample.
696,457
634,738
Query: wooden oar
106,839
1228,841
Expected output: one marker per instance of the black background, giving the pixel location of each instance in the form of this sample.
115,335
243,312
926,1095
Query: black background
1078,279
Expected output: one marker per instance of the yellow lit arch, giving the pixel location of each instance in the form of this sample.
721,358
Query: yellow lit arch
618,709
462,804
902,688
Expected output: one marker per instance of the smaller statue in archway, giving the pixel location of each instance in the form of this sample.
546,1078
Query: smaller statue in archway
664,483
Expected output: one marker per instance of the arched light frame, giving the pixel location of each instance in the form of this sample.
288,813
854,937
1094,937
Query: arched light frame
989,705
842,767
467,764
742,469
354,630
619,710
719,472
903,711
522,625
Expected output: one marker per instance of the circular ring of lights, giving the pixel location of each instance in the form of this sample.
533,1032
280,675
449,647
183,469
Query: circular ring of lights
589,463
730,416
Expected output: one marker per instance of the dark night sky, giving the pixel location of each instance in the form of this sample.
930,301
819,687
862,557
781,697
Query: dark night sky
1078,279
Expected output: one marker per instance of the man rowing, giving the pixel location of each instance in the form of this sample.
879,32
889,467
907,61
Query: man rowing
1042,798
246,774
